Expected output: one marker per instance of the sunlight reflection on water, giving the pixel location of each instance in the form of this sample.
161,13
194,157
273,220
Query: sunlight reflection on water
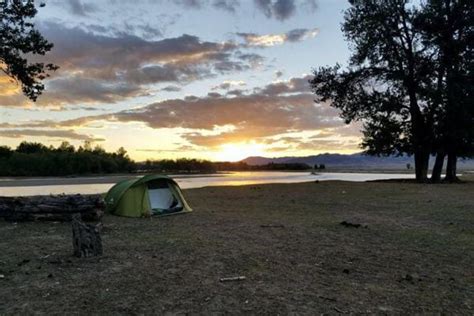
188,182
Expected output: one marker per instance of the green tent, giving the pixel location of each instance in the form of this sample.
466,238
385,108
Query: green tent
146,196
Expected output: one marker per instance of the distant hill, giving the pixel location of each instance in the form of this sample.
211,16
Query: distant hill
352,161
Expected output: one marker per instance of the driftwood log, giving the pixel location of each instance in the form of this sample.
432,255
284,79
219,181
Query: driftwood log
52,207
86,238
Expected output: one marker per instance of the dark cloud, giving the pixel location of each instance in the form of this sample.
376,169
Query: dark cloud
171,89
227,5
106,56
194,4
236,92
79,7
294,85
61,134
279,9
283,9
99,68
74,89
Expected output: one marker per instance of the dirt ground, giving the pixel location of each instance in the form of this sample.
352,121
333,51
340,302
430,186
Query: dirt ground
414,253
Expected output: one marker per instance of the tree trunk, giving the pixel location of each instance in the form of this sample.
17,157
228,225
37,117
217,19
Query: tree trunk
86,238
438,167
451,168
422,159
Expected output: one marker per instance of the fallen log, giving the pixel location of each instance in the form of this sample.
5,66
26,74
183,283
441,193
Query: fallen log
52,207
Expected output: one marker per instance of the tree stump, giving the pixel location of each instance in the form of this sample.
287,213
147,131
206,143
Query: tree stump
86,238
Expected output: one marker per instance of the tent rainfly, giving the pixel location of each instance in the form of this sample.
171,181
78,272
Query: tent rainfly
146,196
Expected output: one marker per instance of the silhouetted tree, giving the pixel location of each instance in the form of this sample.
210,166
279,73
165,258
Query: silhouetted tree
19,38
385,80
35,159
5,151
448,33
31,148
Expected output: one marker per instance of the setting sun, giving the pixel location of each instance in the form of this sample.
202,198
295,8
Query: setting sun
239,151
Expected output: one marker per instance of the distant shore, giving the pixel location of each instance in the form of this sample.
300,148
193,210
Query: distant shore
114,178
90,179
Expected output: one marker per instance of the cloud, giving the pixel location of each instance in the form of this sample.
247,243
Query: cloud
284,9
279,9
78,7
293,36
275,115
275,109
293,85
226,5
106,57
171,89
98,68
227,84
62,134
194,4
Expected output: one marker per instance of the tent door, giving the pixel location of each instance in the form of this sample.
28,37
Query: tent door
162,199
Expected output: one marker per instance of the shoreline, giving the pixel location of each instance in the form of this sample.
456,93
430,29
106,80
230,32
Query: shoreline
26,181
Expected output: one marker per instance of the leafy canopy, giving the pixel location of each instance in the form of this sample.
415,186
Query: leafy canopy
20,41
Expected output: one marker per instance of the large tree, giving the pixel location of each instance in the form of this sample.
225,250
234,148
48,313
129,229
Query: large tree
386,81
20,40
448,33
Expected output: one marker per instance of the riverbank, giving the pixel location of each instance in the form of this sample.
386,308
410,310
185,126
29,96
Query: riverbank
412,254
98,185
92,179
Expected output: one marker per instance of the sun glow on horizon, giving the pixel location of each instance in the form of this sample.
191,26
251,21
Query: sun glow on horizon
238,151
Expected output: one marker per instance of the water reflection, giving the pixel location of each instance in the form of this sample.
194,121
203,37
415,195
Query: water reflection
45,186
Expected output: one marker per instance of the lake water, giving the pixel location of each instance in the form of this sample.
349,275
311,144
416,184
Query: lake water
93,185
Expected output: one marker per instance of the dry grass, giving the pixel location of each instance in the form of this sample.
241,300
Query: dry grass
415,256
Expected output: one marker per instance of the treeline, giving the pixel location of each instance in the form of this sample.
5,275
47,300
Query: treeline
197,165
177,165
36,159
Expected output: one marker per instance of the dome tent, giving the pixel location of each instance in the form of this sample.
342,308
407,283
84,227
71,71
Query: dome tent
146,196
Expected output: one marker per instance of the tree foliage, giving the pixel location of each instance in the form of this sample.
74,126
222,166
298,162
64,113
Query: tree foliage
20,41
397,82
35,159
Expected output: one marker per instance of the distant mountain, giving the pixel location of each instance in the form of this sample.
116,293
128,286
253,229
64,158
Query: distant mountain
353,161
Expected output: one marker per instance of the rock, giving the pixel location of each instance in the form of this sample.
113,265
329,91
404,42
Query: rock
349,224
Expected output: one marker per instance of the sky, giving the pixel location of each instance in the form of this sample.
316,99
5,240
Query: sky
208,79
